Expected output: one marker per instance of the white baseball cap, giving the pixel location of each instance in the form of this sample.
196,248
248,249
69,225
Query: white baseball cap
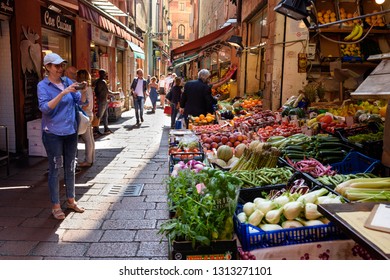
53,58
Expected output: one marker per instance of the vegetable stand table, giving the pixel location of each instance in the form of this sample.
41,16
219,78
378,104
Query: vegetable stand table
350,217
323,250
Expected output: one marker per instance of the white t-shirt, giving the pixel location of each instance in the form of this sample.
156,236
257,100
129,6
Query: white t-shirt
161,83
139,89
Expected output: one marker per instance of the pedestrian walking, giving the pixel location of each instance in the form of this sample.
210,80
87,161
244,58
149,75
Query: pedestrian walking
161,92
153,94
174,96
84,76
57,98
71,73
139,88
102,92
197,98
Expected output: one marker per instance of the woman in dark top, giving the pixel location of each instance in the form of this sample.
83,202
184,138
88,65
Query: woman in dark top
174,98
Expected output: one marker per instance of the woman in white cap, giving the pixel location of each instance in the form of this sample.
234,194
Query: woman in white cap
57,97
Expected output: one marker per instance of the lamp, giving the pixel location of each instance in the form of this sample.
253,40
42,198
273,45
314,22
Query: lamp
235,41
169,26
295,9
379,2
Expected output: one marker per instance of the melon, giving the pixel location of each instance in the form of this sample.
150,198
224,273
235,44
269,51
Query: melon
224,152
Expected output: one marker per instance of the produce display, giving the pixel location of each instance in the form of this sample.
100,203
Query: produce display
251,150
204,203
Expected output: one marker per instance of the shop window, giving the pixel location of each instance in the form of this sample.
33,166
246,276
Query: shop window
259,28
181,6
57,43
181,31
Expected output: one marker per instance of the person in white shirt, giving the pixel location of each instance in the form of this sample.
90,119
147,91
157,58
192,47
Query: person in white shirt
138,88
162,92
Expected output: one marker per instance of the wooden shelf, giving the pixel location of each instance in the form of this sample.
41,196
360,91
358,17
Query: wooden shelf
348,30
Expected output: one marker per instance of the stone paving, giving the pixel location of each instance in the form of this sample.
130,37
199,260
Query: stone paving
113,226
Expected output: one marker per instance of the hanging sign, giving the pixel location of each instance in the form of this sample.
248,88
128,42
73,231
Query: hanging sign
7,7
56,22
102,38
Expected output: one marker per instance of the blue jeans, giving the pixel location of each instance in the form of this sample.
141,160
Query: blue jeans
61,152
139,107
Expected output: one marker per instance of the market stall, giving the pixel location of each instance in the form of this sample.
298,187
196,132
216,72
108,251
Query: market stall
263,176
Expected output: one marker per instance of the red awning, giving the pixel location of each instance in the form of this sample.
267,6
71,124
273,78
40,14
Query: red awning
202,42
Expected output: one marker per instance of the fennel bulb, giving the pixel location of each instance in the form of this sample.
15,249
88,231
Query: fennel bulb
273,216
256,217
241,217
311,212
292,210
270,227
248,208
265,205
291,224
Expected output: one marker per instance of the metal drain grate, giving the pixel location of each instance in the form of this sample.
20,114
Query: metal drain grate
123,190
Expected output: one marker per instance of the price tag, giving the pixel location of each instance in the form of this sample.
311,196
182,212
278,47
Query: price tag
278,117
349,121
304,129
313,115
294,117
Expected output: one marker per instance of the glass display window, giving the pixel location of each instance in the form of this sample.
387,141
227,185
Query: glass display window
57,43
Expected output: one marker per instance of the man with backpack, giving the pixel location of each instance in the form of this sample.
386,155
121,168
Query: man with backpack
138,88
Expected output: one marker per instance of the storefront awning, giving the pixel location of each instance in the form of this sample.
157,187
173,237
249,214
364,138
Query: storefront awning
184,60
202,42
102,19
138,52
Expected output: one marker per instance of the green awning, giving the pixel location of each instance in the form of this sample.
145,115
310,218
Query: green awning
138,52
183,60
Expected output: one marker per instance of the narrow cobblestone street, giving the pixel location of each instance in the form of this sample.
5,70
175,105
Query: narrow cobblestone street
114,225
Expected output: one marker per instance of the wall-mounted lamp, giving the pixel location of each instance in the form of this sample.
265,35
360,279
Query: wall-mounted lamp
295,9
235,41
169,26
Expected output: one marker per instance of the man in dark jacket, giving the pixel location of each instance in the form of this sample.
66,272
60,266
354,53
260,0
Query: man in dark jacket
196,98
101,93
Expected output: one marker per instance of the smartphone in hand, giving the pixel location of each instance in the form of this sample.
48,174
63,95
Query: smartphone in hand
80,86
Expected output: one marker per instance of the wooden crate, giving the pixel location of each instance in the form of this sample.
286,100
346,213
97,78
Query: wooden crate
369,7
348,9
326,12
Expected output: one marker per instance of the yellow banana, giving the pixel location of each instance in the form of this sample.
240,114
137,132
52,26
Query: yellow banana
359,34
354,32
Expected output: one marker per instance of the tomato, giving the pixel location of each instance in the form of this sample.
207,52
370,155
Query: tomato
326,119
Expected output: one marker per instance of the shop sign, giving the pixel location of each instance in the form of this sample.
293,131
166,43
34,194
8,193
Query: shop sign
102,38
55,21
7,7
120,43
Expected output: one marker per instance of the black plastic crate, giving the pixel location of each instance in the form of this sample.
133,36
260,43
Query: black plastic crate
218,250
372,149
249,194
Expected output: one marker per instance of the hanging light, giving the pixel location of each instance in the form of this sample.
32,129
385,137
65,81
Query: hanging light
235,41
379,2
295,9
169,26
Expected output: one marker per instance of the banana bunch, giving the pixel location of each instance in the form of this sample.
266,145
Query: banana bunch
356,33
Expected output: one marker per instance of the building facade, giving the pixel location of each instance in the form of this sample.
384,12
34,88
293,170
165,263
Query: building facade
84,34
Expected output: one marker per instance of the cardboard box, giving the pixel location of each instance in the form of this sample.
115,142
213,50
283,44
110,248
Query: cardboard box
328,48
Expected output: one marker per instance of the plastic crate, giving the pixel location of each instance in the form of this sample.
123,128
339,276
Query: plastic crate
252,237
371,148
356,162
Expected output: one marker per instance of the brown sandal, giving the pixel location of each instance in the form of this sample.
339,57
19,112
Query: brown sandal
58,213
75,207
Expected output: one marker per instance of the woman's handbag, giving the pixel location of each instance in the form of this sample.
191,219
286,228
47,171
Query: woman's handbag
168,109
82,120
